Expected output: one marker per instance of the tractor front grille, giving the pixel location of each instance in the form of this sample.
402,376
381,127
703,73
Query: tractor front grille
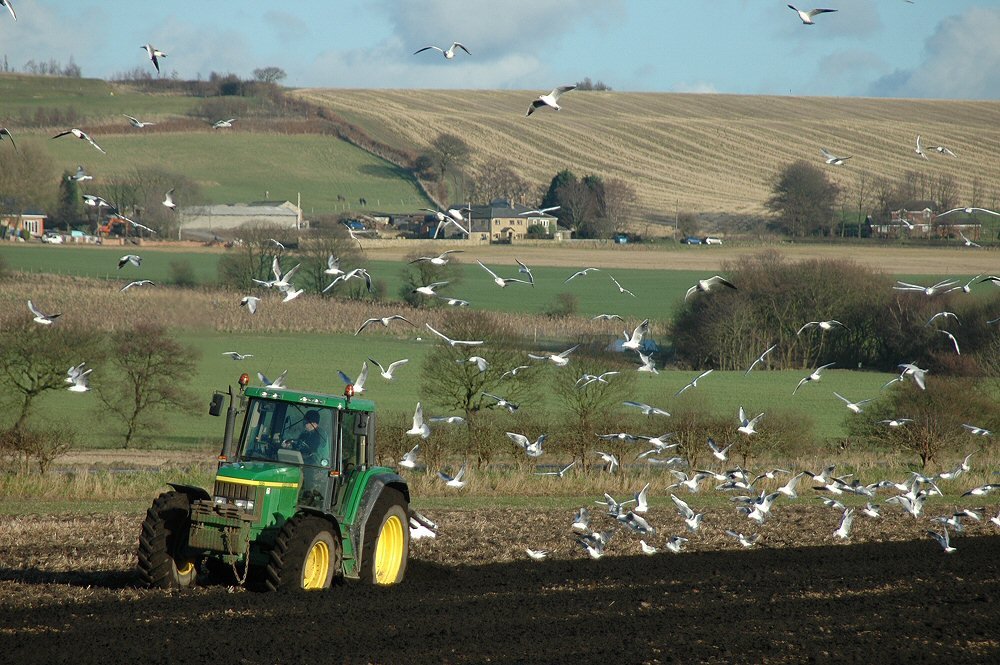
233,491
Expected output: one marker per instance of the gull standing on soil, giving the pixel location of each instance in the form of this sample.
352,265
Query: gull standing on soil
6,132
448,53
250,302
581,520
704,285
457,481
43,319
559,359
621,289
439,260
384,320
387,371
581,273
813,376
694,382
675,544
421,527
854,407
82,135
550,100
154,54
135,122
647,549
419,428
807,16
453,342
236,355
832,159
409,460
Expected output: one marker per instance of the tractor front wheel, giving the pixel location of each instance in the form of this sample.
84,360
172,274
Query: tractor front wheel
307,555
387,540
162,560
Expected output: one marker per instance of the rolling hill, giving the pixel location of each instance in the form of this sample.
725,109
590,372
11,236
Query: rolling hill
689,152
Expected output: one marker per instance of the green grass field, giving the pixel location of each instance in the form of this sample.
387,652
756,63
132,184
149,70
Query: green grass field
91,98
313,361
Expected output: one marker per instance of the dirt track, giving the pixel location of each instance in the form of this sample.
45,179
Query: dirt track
67,594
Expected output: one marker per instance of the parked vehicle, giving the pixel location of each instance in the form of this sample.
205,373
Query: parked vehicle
52,238
713,241
690,240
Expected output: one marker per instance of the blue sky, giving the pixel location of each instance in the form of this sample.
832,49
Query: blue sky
885,48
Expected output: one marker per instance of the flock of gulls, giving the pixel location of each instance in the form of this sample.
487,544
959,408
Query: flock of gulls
756,496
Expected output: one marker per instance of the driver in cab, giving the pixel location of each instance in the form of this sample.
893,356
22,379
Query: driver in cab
312,441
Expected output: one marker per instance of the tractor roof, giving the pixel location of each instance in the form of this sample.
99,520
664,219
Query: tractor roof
317,399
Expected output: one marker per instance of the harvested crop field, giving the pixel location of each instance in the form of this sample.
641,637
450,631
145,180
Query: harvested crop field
68,594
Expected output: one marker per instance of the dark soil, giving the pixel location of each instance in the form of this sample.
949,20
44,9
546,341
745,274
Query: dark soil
68,594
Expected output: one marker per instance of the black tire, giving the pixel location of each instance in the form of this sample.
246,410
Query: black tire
163,562
388,525
307,555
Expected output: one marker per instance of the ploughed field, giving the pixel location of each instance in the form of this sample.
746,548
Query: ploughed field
68,593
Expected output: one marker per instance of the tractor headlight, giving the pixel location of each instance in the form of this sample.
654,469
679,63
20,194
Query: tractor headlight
220,500
244,504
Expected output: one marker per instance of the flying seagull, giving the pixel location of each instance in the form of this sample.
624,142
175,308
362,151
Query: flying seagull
387,371
439,260
6,132
80,134
419,428
532,448
635,341
694,382
80,382
823,325
502,281
833,159
223,124
646,409
44,319
448,54
154,55
854,407
970,211
428,290
236,355
538,211
760,359
551,100
813,376
747,425
358,383
807,16
581,273
561,472
138,282
134,259
135,122
457,481
560,359
80,174
384,320
278,383
453,342
409,460
168,200
704,285
621,289
250,302
10,8
919,149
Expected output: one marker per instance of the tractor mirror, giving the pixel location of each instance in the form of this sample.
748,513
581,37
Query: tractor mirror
361,424
215,408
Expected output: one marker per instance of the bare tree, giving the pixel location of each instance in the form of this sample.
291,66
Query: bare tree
314,252
448,150
150,373
803,200
28,177
270,74
252,257
619,197
496,180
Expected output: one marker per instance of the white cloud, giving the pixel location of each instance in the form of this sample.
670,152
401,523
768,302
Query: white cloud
699,87
961,61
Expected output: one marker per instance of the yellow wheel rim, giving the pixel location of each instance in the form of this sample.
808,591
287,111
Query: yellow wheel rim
389,551
185,568
317,566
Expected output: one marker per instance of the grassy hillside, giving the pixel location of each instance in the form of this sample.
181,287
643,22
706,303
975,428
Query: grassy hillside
688,152
93,99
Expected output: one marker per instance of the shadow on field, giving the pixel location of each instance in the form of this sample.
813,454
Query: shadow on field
104,579
849,602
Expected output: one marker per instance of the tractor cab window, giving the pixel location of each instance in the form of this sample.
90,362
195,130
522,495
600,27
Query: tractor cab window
354,440
289,433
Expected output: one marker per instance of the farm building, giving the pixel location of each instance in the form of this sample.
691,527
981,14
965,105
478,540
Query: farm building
223,217
24,225
925,223
502,221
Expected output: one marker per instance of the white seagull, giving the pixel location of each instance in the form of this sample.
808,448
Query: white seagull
621,289
646,409
745,541
532,448
419,428
6,132
788,489
854,407
278,383
926,290
537,555
979,431
154,55
647,549
358,383
250,302
717,452
648,364
409,460
560,359
704,285
970,210
823,325
80,382
79,176
502,281
421,527
138,282
134,259
919,149
135,122
581,273
387,371
760,359
635,341
384,320
943,150
453,342
223,124
807,16
10,8
561,472
236,355
691,518
429,289
44,319
694,382
815,375
333,266
844,530
896,422
833,159
440,259
675,544
747,426
448,54
502,402
168,199
82,135
953,340
551,100
538,211
457,481
943,540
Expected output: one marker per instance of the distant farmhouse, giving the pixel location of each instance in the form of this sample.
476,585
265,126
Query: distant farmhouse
919,219
224,217
502,221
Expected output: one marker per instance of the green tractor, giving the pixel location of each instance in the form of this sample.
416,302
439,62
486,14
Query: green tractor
298,502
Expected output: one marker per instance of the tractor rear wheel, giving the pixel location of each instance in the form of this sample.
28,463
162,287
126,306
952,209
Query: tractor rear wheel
163,562
386,546
307,555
